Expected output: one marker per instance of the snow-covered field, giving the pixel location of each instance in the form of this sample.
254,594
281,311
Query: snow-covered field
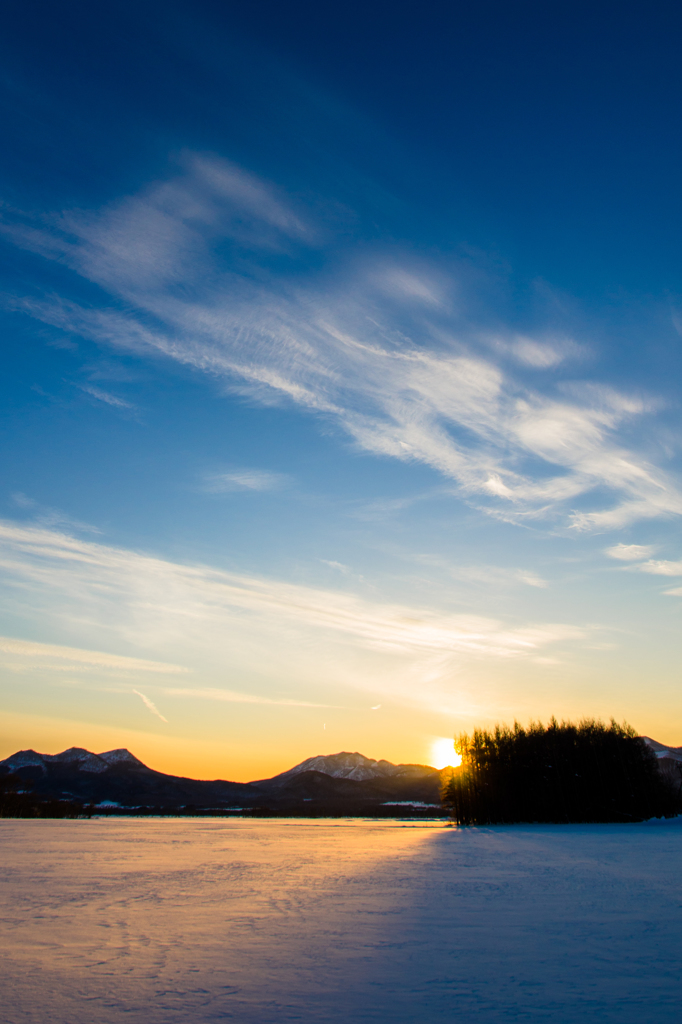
194,921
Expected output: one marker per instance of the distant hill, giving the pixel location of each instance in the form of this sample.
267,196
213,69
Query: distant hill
661,751
353,766
669,762
340,784
334,784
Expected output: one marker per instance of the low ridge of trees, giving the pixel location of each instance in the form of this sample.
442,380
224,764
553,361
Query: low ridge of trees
18,801
562,772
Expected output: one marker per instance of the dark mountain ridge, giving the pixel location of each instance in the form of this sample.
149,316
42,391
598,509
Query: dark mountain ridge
115,781
344,783
661,751
669,762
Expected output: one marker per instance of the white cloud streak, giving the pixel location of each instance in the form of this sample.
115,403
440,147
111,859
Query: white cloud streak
336,565
85,569
495,576
661,568
104,396
629,552
227,622
541,355
378,350
99,659
234,697
151,705
244,480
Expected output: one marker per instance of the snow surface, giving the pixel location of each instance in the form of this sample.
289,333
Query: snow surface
347,922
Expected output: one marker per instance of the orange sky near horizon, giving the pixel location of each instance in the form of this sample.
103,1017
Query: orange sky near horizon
213,759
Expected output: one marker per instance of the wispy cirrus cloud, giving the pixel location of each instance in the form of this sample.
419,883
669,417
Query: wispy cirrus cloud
661,567
653,566
104,396
244,480
217,622
629,552
336,565
489,575
496,576
100,659
381,348
84,569
540,353
235,697
51,517
150,705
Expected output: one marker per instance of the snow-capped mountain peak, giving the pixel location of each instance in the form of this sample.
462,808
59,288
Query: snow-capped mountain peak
25,759
84,759
661,751
120,756
355,766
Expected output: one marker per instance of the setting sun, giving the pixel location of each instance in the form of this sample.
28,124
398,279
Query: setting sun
444,755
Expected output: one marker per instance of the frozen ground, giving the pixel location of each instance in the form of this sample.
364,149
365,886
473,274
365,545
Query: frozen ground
264,922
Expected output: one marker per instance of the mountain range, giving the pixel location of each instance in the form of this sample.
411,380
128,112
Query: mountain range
116,781
344,783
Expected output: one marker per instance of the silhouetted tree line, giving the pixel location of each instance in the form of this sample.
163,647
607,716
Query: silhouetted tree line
672,772
18,801
589,772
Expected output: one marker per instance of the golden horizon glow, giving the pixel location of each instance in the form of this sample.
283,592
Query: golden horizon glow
444,755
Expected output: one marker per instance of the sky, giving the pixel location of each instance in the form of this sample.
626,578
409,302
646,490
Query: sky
342,347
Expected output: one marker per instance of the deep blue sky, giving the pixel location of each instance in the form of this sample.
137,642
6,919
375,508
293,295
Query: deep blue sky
377,301
549,132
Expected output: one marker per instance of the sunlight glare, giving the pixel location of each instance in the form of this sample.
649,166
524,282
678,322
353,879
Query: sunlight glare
444,755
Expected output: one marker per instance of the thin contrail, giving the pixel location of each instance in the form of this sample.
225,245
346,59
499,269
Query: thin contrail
151,705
